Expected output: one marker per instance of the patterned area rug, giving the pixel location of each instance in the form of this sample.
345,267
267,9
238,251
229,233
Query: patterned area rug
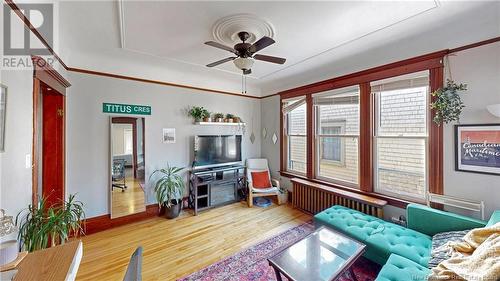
251,264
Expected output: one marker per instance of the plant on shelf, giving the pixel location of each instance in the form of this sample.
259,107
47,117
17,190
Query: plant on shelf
447,103
206,116
46,226
169,189
198,113
236,119
219,117
229,118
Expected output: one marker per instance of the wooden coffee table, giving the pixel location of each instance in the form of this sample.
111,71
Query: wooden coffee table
323,255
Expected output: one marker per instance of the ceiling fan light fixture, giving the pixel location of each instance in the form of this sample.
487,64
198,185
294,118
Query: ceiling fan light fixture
243,63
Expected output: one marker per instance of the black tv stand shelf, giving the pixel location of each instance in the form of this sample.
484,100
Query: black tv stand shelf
214,187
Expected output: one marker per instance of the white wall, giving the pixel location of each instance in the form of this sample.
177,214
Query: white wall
15,193
479,68
88,130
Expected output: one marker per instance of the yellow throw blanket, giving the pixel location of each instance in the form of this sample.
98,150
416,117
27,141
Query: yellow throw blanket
476,258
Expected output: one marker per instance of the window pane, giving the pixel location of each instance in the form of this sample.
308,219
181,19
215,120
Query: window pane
337,131
345,165
297,121
403,112
296,138
297,153
401,167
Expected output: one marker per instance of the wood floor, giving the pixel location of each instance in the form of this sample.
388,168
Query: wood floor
175,248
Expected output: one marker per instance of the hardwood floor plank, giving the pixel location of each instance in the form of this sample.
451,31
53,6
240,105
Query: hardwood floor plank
178,247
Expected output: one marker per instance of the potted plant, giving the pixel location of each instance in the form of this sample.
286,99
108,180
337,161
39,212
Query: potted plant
198,113
283,195
219,117
44,226
169,189
447,104
236,119
229,118
206,116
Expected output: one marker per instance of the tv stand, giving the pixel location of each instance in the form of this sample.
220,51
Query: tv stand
214,187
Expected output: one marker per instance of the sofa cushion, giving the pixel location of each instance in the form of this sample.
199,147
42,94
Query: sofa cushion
399,268
382,238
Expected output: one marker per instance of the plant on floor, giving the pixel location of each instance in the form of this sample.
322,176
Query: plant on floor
44,226
447,104
198,113
169,189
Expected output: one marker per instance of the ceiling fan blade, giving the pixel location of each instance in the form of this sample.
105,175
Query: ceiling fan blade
220,46
220,61
247,71
261,44
270,59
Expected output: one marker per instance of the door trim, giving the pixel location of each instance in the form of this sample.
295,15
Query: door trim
44,73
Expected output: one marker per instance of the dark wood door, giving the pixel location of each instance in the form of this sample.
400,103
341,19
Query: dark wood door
52,146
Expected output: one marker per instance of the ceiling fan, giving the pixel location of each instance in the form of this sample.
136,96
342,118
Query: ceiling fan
246,52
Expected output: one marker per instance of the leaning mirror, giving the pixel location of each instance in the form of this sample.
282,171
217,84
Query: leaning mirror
127,166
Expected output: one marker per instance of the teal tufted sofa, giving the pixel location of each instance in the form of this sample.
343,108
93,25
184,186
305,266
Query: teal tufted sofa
404,251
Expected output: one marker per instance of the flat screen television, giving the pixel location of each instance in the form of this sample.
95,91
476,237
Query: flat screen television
211,151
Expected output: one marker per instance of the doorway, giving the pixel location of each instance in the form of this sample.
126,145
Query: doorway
52,145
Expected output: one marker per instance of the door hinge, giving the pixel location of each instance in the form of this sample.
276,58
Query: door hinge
60,112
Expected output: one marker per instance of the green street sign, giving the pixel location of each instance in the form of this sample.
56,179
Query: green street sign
126,108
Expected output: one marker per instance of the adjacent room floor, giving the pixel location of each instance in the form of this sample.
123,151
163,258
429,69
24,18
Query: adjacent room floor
175,248
129,200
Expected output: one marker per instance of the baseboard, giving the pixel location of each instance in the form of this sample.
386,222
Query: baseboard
104,222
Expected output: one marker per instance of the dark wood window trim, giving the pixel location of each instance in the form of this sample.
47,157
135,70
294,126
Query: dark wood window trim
432,62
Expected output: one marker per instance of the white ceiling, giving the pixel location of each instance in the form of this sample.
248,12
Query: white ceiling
163,40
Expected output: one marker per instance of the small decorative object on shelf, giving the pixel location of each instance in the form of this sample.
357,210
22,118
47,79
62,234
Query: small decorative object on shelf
229,118
236,119
219,117
447,104
198,113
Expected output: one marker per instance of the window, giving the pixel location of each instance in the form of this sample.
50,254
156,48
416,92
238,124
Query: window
127,140
401,133
295,133
337,133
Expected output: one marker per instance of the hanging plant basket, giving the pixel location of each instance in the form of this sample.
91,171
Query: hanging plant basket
447,104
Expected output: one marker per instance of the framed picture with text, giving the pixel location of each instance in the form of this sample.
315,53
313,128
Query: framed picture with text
477,148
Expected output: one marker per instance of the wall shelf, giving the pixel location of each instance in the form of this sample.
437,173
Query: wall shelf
219,124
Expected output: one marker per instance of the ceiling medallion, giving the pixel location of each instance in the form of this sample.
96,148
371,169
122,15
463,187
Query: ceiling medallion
226,29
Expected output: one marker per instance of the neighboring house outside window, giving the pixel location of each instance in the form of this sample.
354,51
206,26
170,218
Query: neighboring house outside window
295,135
337,133
333,148
401,135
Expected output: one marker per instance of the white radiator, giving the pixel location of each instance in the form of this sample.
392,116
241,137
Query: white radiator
457,203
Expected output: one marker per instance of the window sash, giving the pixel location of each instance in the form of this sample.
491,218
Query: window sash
317,164
289,165
376,176
378,132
